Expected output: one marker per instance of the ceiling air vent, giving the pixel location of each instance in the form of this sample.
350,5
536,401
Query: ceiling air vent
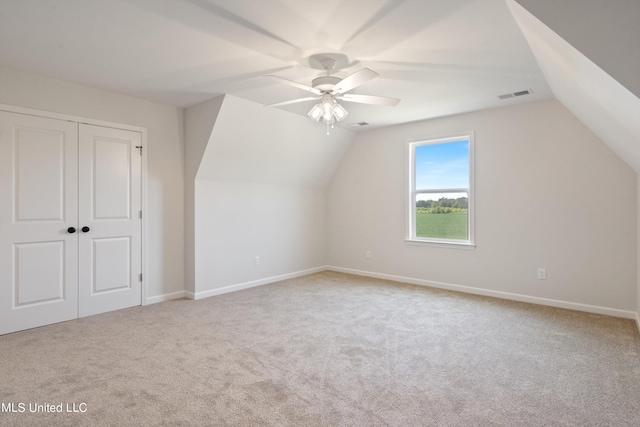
514,94
360,124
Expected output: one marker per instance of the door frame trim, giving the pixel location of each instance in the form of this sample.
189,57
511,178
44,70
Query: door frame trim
143,172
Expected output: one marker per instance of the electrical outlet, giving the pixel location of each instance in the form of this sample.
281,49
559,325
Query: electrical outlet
542,273
367,254
256,260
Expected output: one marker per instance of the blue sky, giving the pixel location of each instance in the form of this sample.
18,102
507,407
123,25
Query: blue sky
442,166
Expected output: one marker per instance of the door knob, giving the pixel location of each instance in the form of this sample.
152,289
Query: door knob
71,230
85,229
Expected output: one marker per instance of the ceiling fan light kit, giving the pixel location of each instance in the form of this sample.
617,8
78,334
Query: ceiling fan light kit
328,89
328,110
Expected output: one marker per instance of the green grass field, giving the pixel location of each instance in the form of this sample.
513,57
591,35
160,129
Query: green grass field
442,226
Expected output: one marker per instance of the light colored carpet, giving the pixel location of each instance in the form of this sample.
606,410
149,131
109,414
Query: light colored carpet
329,349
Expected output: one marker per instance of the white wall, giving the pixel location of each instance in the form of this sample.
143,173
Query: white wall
198,125
260,190
570,40
235,221
549,194
164,213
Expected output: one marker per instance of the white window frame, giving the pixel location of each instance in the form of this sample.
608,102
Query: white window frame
412,192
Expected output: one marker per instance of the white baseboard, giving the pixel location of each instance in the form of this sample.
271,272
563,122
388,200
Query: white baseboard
252,284
440,285
497,294
165,297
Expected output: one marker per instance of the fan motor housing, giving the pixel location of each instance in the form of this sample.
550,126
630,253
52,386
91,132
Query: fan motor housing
325,83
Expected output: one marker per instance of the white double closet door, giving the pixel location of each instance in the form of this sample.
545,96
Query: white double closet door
70,227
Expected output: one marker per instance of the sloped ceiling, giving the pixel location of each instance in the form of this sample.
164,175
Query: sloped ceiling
441,57
250,143
605,106
605,31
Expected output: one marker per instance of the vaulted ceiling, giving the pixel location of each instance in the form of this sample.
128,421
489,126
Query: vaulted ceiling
608,107
441,57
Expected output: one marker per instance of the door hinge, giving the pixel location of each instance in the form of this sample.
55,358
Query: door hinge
140,215
140,277
140,147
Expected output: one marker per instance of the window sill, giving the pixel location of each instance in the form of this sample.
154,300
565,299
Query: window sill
441,244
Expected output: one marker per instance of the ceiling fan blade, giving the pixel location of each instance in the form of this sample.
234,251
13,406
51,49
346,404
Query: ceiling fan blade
354,80
369,99
294,84
293,101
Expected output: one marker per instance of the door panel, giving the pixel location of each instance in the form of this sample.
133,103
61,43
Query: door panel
109,197
112,266
38,272
112,178
38,190
39,172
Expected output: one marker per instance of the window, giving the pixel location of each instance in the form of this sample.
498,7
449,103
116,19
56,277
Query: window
441,191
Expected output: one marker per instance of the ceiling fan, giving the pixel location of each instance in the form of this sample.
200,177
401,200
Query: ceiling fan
330,89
